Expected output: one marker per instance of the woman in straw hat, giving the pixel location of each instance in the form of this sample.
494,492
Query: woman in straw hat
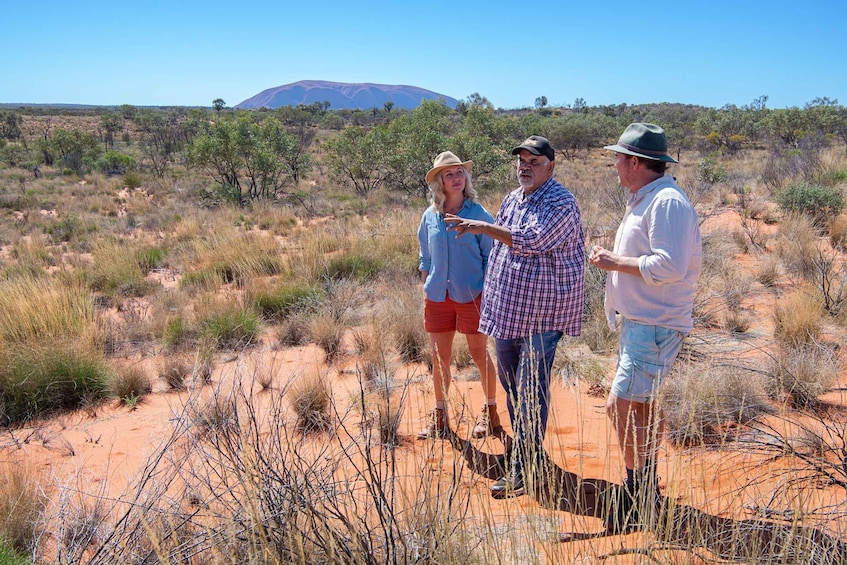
453,270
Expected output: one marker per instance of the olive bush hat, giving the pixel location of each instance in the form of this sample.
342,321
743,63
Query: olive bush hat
643,140
537,145
444,160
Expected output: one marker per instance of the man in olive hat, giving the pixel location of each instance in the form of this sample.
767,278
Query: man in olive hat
649,299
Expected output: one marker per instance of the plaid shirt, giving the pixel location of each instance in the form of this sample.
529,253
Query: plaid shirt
537,284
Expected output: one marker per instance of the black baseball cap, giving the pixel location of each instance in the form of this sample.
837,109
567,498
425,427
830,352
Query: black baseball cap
537,145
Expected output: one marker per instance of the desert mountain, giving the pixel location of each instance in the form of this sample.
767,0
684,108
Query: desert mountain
342,95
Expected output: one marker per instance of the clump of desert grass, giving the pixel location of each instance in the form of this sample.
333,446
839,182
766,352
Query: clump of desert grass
37,380
768,271
174,370
798,318
402,315
230,256
800,373
703,403
796,244
276,300
227,324
130,384
294,330
24,497
119,267
311,399
39,310
596,333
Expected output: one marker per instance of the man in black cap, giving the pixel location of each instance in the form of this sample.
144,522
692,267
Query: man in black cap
533,294
649,299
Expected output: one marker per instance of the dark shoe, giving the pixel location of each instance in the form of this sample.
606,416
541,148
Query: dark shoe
509,486
488,422
622,515
437,426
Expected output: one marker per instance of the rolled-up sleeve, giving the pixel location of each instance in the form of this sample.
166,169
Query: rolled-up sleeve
671,238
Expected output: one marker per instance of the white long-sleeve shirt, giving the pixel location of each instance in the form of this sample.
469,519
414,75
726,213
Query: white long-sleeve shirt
660,228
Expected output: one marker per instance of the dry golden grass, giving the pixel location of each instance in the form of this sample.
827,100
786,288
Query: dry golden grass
799,318
24,496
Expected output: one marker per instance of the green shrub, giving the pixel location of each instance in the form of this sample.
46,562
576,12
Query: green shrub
132,179
36,381
115,163
819,202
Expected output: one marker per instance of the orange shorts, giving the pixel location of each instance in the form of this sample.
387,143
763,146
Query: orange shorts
449,316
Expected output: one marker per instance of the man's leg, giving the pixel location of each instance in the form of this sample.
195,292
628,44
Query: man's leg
537,355
508,360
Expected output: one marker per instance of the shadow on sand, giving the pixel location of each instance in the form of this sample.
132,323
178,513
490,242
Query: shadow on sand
675,525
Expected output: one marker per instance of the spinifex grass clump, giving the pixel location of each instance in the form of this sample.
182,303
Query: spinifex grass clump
228,326
277,302
231,257
48,361
38,380
23,499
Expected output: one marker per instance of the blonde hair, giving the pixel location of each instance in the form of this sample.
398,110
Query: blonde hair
436,189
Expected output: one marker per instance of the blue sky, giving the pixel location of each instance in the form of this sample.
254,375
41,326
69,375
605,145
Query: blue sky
187,53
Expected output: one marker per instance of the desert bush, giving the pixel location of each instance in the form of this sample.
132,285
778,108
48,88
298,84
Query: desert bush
800,373
132,180
36,380
23,500
798,318
701,405
130,384
115,163
818,202
310,398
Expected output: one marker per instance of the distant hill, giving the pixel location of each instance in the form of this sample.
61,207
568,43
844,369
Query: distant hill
342,95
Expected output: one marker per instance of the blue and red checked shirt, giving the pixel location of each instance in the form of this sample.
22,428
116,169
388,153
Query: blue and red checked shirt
537,284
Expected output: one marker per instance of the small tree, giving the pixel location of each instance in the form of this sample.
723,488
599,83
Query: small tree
358,158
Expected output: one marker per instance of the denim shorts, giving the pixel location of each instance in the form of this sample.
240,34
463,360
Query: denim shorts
645,355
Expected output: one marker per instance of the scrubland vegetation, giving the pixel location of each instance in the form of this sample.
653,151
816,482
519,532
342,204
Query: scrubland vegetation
192,235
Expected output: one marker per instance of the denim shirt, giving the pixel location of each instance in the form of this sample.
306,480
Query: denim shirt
454,265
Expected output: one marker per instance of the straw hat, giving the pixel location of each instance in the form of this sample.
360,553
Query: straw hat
444,160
